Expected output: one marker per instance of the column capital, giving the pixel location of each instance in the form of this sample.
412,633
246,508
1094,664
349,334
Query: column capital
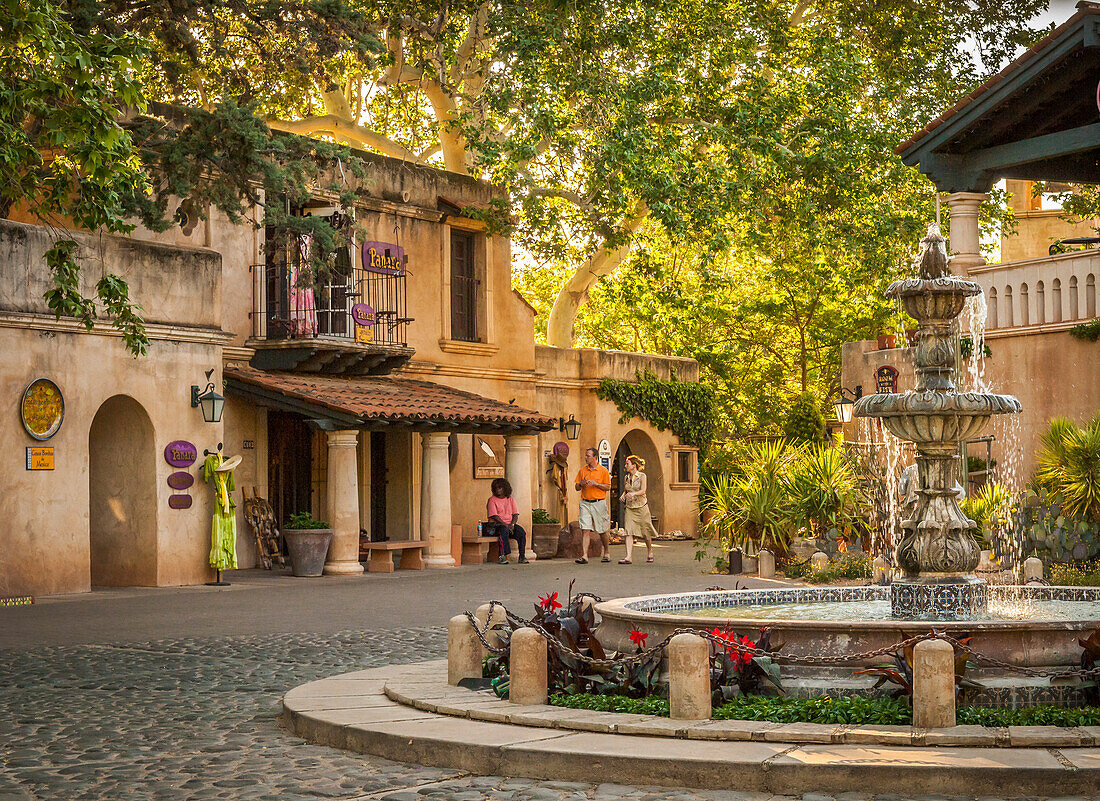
436,439
964,198
519,442
347,438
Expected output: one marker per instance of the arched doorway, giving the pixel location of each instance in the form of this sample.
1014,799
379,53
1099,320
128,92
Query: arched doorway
122,495
637,442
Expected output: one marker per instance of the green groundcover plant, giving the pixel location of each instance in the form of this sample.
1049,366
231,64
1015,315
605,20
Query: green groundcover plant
849,709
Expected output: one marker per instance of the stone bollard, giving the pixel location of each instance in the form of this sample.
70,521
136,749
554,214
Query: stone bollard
527,667
464,650
933,685
765,564
880,570
819,561
1033,569
689,678
481,614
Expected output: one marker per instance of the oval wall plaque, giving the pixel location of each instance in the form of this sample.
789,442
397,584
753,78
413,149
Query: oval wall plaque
180,453
42,408
363,314
179,501
180,480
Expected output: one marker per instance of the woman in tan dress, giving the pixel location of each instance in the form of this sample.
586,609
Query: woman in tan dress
638,520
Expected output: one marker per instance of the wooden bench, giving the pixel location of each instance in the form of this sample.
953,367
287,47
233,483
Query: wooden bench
381,559
478,550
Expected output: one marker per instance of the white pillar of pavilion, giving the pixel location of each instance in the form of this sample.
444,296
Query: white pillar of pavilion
343,504
517,469
964,242
435,500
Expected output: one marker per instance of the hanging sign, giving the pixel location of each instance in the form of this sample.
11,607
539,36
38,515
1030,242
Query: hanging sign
40,458
605,454
180,453
42,408
886,379
364,317
180,480
383,258
179,501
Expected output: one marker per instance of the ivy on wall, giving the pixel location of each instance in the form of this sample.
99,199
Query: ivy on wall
686,408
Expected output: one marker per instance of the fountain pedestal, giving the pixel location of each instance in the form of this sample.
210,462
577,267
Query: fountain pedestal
937,550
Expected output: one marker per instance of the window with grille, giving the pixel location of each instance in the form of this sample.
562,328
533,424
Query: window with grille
464,287
685,473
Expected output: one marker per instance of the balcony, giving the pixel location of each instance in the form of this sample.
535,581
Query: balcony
344,321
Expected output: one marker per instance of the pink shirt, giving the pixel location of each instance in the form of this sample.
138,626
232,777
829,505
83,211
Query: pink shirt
503,508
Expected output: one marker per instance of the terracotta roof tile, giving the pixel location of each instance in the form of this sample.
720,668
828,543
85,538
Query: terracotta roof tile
391,399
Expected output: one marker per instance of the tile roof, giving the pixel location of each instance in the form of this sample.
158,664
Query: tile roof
388,399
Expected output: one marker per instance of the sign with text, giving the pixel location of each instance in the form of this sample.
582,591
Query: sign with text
364,317
383,258
40,458
42,408
180,453
886,379
604,451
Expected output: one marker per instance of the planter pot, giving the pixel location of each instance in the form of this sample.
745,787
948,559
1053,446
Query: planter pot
308,548
887,341
544,539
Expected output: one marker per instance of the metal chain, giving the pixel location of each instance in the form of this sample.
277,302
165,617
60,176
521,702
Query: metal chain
561,649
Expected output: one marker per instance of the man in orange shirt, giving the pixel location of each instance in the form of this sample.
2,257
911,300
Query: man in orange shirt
594,482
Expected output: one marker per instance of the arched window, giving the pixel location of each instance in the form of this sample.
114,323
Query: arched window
1040,303
1056,301
1073,312
1090,296
1009,322
991,310
1025,312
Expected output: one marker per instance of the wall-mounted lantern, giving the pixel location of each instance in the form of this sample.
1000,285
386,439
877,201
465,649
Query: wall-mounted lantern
571,427
209,400
846,403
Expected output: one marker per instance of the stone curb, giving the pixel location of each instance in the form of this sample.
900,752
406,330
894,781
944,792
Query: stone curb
408,713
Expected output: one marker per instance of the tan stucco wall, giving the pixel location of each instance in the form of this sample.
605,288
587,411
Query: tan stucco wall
1036,230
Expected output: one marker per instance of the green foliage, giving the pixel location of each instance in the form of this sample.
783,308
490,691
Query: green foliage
1069,467
612,703
303,521
1055,537
847,709
824,492
1089,332
804,422
966,348
1074,574
994,511
686,408
541,517
1028,716
841,566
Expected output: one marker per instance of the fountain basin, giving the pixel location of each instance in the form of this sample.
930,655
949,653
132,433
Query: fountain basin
1030,642
929,417
933,298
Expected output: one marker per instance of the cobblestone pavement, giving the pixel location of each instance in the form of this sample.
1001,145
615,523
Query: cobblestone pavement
198,719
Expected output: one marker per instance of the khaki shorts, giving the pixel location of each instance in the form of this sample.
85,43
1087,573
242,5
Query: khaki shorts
594,516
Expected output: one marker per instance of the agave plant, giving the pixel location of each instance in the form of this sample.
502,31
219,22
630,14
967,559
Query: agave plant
993,510
1069,467
754,506
900,673
825,493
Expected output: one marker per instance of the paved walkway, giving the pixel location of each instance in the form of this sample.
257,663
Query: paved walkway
165,694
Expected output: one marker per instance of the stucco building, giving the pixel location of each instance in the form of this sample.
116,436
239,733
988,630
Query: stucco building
1034,121
383,400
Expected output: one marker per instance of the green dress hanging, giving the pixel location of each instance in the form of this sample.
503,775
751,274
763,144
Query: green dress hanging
223,531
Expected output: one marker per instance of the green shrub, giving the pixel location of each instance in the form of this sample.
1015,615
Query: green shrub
613,703
540,517
805,423
841,566
1070,574
304,520
1030,716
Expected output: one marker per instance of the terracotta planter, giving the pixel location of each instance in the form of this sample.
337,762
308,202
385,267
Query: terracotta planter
887,341
308,548
544,539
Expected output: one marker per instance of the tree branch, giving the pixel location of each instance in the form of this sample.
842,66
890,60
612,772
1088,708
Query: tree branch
346,131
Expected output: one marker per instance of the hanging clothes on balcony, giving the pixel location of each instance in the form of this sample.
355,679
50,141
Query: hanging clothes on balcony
303,306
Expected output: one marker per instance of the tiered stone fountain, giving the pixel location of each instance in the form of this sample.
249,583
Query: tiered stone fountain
937,552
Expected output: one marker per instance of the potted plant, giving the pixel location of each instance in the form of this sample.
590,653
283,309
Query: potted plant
307,541
544,534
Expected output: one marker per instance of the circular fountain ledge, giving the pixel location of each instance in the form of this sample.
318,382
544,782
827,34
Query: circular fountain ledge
410,714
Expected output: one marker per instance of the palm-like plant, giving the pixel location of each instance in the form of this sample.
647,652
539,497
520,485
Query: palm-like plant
1069,467
993,510
824,492
753,506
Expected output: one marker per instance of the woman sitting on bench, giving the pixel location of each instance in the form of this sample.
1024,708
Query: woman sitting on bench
503,514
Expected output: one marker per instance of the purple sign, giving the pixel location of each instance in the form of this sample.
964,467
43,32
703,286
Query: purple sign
363,314
384,258
179,501
180,453
180,480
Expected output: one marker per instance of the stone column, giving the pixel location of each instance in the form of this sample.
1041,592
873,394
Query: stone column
964,245
689,678
933,685
464,650
343,504
527,667
517,469
435,500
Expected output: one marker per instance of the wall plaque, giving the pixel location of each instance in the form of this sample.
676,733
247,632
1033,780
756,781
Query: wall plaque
180,453
886,379
179,501
40,458
488,455
363,314
383,258
42,408
180,480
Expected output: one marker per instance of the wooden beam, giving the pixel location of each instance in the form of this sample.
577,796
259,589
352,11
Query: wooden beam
1037,148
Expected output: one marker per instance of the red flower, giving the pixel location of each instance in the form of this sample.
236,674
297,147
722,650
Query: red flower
638,638
746,656
550,602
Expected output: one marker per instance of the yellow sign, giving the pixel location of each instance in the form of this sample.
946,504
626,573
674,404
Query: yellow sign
364,334
40,458
42,409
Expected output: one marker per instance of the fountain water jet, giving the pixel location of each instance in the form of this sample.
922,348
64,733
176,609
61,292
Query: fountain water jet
937,551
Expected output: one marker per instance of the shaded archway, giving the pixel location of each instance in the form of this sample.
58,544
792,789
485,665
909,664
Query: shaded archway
122,495
637,442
